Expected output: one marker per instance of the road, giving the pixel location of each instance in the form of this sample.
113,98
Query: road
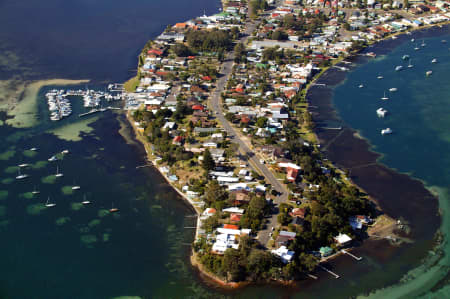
236,137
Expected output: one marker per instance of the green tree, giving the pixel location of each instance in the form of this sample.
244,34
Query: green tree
208,161
231,265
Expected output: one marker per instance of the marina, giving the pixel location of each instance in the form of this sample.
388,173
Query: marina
60,107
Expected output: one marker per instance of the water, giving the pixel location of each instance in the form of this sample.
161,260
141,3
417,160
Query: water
75,251
419,145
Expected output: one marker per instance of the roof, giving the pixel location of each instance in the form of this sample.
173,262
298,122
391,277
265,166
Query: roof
342,238
231,226
287,234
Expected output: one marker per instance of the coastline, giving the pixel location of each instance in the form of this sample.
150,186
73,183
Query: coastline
348,150
193,260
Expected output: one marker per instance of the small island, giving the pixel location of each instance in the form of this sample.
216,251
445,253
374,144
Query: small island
219,103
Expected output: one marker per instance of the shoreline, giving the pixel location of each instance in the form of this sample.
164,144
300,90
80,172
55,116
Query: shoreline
369,165
193,260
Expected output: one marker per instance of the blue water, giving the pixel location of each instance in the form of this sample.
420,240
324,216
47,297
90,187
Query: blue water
419,117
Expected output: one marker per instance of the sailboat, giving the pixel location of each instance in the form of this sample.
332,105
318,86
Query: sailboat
410,65
423,44
35,191
85,201
113,209
75,186
384,98
21,176
23,165
33,149
58,174
65,151
48,204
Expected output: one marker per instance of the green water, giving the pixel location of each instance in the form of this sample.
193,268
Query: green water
420,144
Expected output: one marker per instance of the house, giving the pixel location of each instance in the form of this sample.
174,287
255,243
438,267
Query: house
177,140
342,239
285,254
217,153
284,237
234,210
241,196
209,212
325,251
234,217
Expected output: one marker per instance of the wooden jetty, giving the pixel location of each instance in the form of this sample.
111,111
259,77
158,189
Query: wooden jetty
329,271
353,256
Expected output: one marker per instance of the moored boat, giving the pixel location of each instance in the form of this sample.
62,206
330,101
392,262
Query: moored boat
386,131
429,73
381,112
393,89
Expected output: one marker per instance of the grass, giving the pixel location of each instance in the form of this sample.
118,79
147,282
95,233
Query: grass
131,84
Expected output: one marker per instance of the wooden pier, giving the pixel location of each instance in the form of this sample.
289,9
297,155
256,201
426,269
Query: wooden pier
353,256
329,271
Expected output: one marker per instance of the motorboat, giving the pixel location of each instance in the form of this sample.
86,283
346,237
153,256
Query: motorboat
398,68
113,209
434,60
386,131
360,86
381,112
380,77
429,73
65,151
52,159
405,57
393,89
23,165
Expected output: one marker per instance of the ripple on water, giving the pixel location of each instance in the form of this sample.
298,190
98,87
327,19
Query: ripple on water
39,165
11,169
7,181
35,209
7,155
29,154
67,190
26,195
94,223
50,179
88,240
102,213
62,221
75,206
3,194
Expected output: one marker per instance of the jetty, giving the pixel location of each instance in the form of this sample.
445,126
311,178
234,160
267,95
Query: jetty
329,271
350,254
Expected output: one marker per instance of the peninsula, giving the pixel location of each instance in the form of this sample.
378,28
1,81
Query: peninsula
219,103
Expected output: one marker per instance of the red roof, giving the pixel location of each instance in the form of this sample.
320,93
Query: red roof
156,52
230,226
198,107
206,78
292,174
191,57
235,217
177,139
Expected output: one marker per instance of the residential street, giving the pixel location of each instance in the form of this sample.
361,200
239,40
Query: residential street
253,159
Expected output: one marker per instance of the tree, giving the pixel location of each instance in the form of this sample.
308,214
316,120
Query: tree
231,265
215,194
261,122
279,35
258,264
181,50
208,161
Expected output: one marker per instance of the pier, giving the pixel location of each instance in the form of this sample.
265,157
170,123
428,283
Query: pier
353,256
318,84
330,128
329,271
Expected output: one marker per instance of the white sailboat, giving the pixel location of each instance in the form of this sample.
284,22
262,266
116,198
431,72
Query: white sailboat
58,174
85,201
384,98
423,44
23,165
52,158
20,175
33,149
75,186
410,65
393,89
65,151
49,204
434,60
35,191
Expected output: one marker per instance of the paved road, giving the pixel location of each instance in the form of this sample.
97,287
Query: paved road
216,106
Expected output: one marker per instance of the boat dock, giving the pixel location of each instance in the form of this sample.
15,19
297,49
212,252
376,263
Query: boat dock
353,256
329,271
92,111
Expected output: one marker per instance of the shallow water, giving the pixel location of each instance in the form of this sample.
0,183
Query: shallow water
419,145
